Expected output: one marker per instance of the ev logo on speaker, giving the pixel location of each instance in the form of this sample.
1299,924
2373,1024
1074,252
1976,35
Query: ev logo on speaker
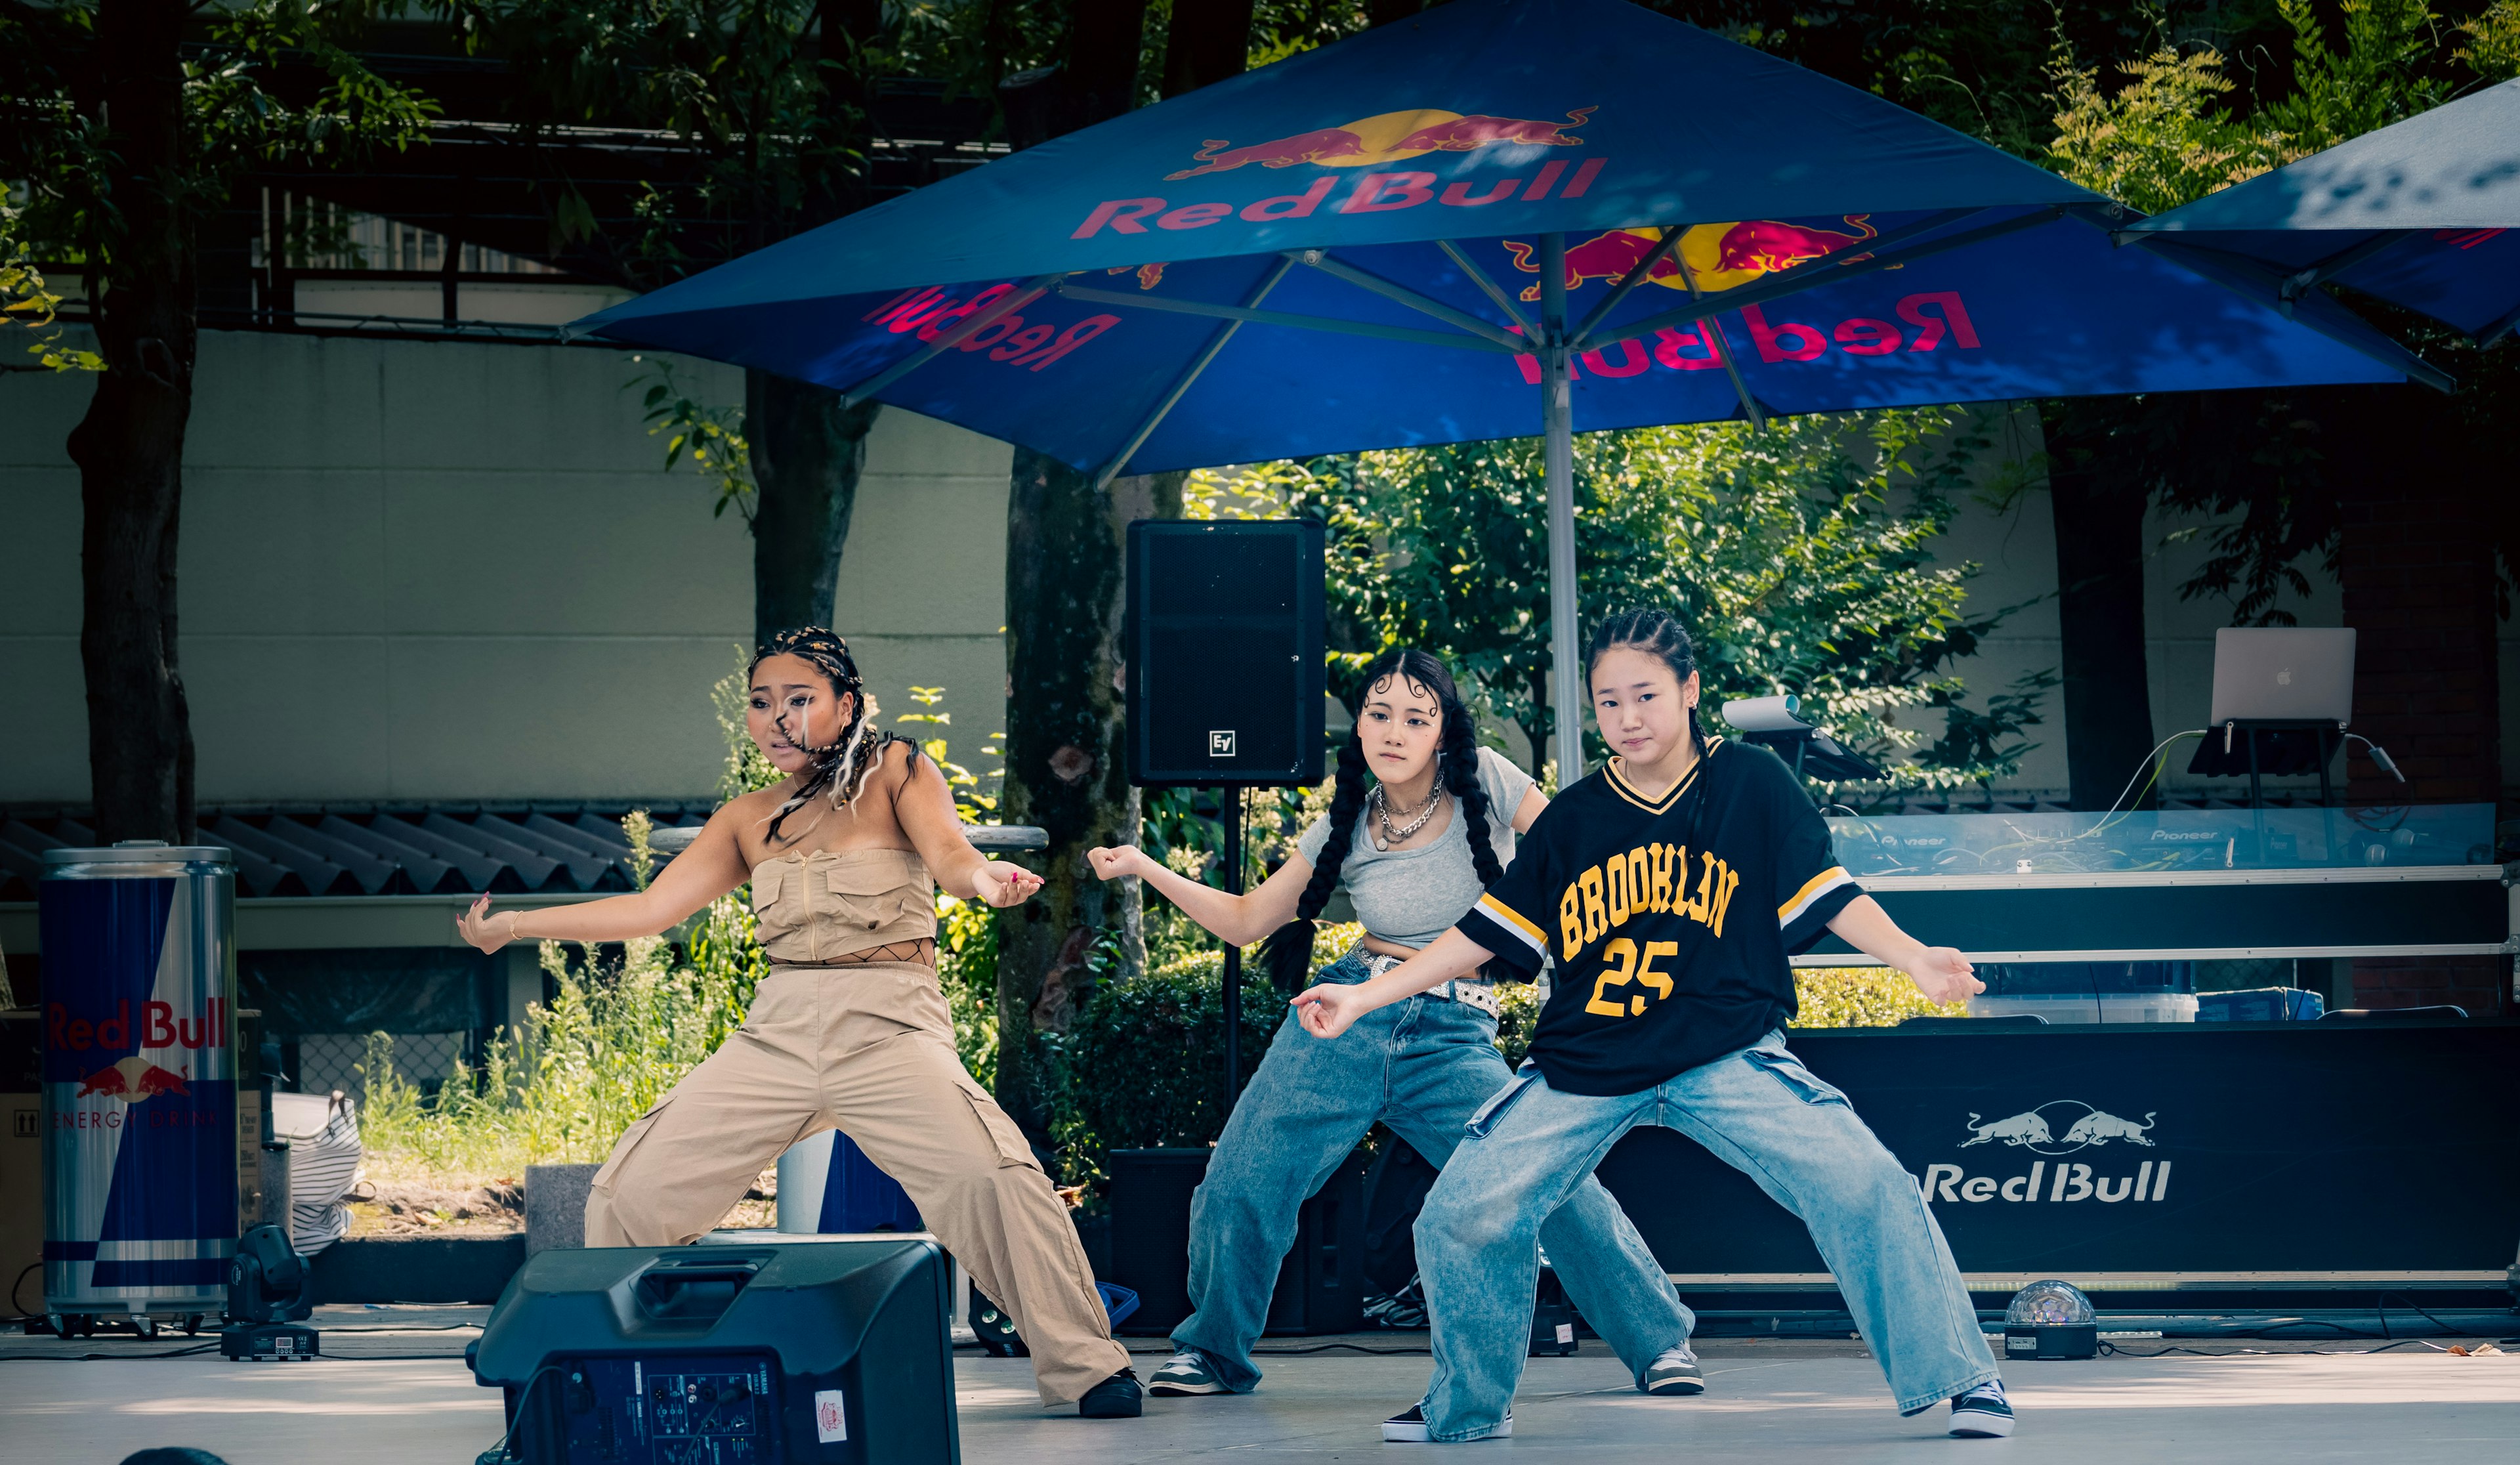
1220,743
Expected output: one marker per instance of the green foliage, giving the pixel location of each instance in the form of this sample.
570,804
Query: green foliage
26,301
710,435
1862,997
1143,1063
2492,46
238,113
1801,558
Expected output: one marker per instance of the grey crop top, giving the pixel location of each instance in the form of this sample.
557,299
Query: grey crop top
1411,896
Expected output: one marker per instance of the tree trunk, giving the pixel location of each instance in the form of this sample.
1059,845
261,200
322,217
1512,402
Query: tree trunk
807,449
2100,613
807,453
1206,41
130,445
1067,764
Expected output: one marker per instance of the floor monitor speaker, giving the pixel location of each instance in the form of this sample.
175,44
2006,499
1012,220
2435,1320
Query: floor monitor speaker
1224,640
824,1354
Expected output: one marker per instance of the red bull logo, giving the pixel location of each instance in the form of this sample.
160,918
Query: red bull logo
2467,239
1389,137
1718,257
1925,321
1008,338
1371,144
2059,1128
135,1081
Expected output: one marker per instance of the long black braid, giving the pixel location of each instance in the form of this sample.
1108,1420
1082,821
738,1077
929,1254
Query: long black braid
1288,954
842,769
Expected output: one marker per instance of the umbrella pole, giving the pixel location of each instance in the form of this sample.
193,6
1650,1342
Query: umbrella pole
1557,455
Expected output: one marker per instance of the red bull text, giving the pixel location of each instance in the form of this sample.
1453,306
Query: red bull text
1927,320
140,1078
1371,144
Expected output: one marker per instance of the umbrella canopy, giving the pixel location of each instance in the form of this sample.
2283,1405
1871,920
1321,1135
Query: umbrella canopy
1499,218
2424,213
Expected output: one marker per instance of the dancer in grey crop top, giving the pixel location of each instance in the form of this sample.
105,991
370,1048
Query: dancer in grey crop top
1422,820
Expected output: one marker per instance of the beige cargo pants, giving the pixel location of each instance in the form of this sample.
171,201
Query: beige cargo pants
869,1050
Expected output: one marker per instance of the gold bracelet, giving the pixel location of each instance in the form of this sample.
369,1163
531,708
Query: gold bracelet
516,918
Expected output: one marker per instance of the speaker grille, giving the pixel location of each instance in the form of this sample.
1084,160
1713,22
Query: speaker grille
1225,643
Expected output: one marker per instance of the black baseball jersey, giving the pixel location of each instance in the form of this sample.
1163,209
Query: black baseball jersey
1670,920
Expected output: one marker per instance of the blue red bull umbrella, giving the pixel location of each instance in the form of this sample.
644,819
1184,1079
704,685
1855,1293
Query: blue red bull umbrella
2424,213
1499,218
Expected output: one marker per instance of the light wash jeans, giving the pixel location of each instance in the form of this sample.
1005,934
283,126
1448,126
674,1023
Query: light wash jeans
1422,1065
1761,1111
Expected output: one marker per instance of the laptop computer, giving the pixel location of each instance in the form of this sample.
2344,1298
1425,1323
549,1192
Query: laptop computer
2283,674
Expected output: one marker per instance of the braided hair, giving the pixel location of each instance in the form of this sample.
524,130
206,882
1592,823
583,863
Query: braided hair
1289,955
1658,635
840,770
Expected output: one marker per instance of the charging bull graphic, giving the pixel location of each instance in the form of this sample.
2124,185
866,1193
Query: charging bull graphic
1719,255
2035,1129
2020,1129
135,1081
1388,137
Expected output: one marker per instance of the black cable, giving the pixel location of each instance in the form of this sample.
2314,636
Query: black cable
181,1353
31,1267
2428,1318
498,1453
1354,1348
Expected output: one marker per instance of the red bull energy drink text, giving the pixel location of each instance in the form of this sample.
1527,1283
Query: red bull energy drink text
140,1078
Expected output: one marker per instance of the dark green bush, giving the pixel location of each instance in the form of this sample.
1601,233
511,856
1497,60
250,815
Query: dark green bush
1143,1065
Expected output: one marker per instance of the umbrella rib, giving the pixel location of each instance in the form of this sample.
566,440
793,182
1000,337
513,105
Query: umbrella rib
1661,252
2335,264
1015,300
1671,238
2508,322
1281,318
1198,364
1321,259
1487,287
1713,330
1796,281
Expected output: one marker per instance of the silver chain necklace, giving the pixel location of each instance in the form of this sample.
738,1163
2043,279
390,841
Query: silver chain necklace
1417,817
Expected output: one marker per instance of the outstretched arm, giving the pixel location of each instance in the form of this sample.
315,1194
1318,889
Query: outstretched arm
1939,972
1328,1010
925,806
709,869
1238,919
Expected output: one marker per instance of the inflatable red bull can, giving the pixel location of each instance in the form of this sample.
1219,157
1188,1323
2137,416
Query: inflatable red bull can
140,1078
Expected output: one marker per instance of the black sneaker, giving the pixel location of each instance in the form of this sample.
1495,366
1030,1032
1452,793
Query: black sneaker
1675,1372
1118,1396
1982,1413
1411,1428
1185,1373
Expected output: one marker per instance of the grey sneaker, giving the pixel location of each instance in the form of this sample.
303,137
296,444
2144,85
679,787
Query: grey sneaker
1411,1428
1187,1372
1982,1413
1676,1372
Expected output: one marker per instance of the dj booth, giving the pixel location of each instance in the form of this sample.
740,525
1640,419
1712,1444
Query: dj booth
2169,1166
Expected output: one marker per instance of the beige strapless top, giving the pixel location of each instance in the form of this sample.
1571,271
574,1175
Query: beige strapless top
822,905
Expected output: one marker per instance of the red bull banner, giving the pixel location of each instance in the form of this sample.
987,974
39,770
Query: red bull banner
140,1078
2172,1157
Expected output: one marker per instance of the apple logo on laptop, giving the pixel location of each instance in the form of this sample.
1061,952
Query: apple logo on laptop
2283,679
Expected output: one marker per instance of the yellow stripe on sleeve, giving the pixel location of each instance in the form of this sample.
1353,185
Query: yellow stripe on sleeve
1499,910
1810,888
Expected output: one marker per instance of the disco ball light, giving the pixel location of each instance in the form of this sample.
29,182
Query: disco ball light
2050,1319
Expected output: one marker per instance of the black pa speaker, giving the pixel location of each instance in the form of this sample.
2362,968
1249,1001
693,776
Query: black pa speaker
832,1353
1321,1284
1224,639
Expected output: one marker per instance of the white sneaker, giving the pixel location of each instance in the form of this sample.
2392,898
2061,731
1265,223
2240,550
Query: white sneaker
1675,1372
1187,1372
1411,1428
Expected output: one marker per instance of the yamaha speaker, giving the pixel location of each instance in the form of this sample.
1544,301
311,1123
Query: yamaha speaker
832,1352
1224,639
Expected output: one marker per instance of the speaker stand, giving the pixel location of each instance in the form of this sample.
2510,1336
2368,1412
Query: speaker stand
1231,798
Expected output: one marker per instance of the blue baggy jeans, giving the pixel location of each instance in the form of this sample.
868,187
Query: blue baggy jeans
1422,1065
1759,1110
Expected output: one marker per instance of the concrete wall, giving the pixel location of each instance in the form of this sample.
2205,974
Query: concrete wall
451,571
447,571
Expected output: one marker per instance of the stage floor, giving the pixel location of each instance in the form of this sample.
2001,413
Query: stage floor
406,1399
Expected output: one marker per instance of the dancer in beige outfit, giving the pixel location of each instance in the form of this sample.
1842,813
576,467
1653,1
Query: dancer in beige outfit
849,1030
